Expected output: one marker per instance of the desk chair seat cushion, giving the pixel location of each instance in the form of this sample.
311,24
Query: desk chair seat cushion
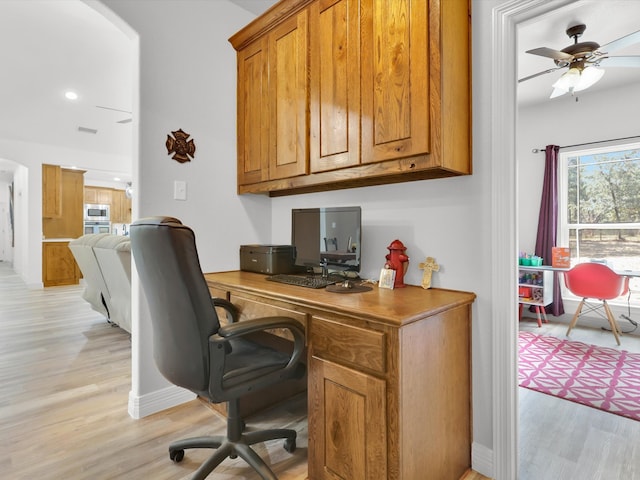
248,361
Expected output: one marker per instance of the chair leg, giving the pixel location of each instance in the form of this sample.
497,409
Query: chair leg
612,322
266,435
234,444
575,317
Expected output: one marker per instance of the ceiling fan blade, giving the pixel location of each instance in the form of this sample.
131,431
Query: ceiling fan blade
629,61
538,74
551,53
621,42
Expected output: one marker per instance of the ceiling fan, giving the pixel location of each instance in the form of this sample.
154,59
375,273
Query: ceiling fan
583,59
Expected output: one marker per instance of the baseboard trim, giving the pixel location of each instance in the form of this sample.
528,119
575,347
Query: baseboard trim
482,459
154,402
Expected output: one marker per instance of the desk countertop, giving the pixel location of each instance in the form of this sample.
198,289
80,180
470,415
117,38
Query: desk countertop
395,307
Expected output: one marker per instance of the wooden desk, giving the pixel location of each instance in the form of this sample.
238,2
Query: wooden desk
389,381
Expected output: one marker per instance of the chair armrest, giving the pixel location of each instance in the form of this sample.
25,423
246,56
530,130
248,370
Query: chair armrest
246,327
232,311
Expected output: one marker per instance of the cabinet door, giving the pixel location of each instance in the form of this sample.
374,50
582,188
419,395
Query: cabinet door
395,79
100,196
334,36
116,211
253,113
288,91
90,195
126,210
51,191
104,196
58,265
347,423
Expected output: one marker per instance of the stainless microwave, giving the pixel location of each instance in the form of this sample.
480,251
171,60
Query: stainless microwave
96,212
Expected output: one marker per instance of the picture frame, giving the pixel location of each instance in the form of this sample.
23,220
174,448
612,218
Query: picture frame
387,278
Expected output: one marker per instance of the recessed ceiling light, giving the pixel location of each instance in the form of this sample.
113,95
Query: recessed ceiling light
69,95
116,179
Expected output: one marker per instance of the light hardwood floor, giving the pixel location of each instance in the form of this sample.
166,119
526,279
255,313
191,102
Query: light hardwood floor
559,439
65,376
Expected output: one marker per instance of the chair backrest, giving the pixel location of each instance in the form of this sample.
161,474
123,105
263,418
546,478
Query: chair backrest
182,313
595,280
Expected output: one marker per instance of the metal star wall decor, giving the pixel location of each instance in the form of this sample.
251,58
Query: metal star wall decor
180,147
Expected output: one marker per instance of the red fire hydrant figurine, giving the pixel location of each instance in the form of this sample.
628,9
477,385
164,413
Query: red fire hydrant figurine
398,261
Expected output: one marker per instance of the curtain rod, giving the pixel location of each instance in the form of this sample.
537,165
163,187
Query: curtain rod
536,150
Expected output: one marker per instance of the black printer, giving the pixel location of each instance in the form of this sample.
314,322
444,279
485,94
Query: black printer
269,259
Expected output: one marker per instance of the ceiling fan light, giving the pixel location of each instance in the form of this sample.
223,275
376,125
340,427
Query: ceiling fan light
568,81
590,76
557,92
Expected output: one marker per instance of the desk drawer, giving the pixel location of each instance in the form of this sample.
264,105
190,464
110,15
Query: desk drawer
349,344
250,308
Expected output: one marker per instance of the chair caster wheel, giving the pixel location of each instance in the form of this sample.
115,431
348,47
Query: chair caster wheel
176,455
290,445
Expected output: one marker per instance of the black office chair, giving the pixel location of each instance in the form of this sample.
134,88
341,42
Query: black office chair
192,349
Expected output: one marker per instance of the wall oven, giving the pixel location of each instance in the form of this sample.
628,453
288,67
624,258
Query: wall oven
97,227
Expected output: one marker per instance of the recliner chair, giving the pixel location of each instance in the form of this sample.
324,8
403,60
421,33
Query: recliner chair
192,349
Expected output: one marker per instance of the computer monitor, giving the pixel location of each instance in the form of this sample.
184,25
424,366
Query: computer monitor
330,235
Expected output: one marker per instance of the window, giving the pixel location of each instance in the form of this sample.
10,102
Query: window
599,207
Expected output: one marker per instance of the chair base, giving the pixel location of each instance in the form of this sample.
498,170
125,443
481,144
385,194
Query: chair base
592,308
226,448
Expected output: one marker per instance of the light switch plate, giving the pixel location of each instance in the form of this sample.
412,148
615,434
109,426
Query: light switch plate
179,190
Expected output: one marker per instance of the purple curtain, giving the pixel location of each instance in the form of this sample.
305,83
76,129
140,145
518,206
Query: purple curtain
548,223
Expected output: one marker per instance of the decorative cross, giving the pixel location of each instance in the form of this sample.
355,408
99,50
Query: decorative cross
428,266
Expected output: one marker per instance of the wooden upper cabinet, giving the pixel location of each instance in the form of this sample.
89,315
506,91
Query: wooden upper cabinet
335,84
120,211
387,100
70,223
97,195
288,94
395,79
51,191
272,104
253,113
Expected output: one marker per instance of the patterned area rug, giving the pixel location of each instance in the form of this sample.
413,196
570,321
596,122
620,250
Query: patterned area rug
599,377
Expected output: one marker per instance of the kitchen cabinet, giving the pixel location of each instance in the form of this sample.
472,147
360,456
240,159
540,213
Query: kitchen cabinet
51,191
97,195
389,95
272,103
58,265
69,224
120,210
